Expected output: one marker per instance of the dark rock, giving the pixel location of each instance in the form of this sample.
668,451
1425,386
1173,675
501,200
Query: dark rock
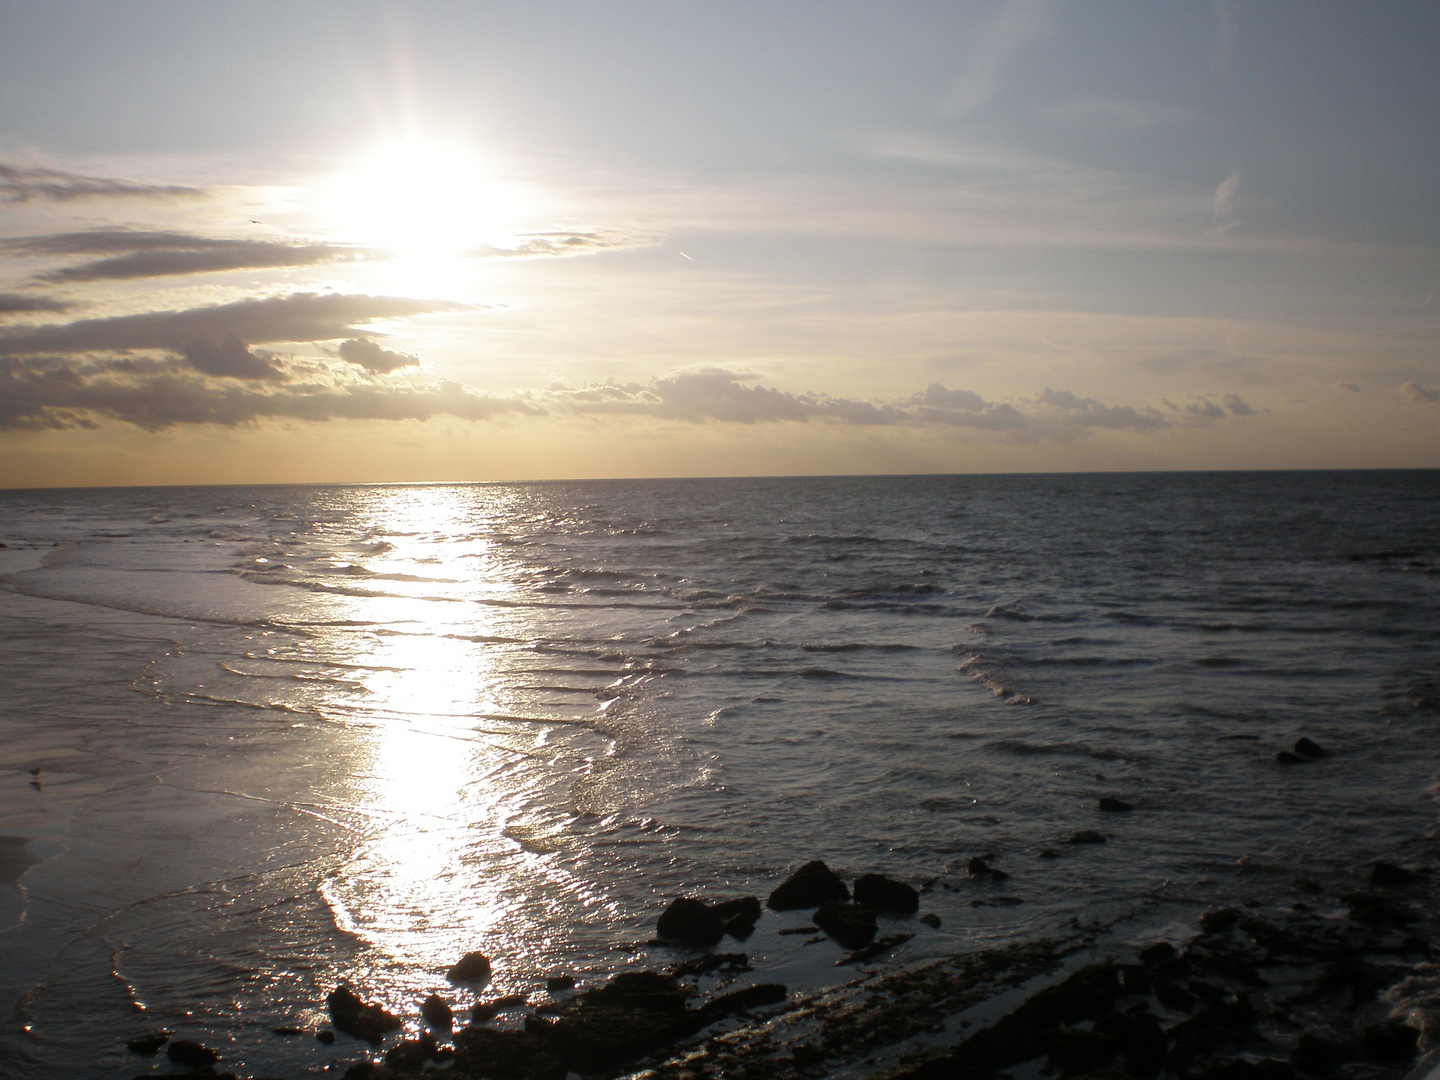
288,1029
1118,806
437,1013
1173,996
413,1053
1376,909
1217,919
1154,954
1139,1038
1135,978
752,997
849,924
149,1044
505,1055
326,1036
1048,853
1387,873
690,922
980,868
810,886
191,1054
1308,748
635,1013
557,983
648,990
473,967
1075,1053
1316,1056
874,949
486,1010
1086,836
931,920
798,930
358,1018
738,916
1390,1043
1285,757
361,1070
1243,1069
703,965
879,893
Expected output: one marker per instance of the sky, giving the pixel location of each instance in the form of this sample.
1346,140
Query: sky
430,241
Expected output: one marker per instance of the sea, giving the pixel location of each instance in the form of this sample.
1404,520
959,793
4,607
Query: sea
259,741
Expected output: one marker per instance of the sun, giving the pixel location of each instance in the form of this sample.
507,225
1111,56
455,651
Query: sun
419,197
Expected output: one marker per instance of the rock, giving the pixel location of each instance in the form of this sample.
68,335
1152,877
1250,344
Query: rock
1157,953
413,1053
648,990
809,887
1086,836
1391,1043
486,1010
690,922
325,1036
752,997
980,868
1139,1038
1217,919
1376,909
879,893
359,1018
1118,806
931,920
473,967
1076,1053
1173,996
1308,748
191,1054
437,1013
849,924
505,1055
1285,757
149,1044
288,1029
1387,873
703,965
633,1014
1316,1056
738,916
557,983
874,949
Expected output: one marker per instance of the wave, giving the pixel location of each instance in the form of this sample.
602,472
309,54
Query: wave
1067,749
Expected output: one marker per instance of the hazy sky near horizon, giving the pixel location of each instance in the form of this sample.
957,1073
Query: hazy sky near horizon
410,241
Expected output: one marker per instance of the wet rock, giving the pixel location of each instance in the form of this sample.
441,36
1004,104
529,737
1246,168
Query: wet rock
635,1013
1314,1055
1217,919
738,916
849,924
874,949
648,990
1173,996
413,1053
149,1044
288,1029
1308,749
689,922
752,997
1376,909
473,967
1286,757
879,893
809,887
931,920
358,1018
435,1012
191,1054
1075,1053
505,1055
557,983
1117,806
1243,1069
1157,953
486,1010
1391,1043
703,965
325,1036
1086,836
1387,873
1138,1037
980,868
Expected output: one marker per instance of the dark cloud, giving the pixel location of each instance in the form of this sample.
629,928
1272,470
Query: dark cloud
19,184
1236,406
296,317
372,357
1087,412
229,358
61,393
1415,392
133,253
21,304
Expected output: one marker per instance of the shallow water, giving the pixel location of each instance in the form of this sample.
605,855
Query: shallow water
290,735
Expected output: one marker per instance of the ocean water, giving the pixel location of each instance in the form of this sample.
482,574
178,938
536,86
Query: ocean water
287,736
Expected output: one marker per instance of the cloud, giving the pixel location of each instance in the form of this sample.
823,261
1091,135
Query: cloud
1237,406
1223,203
296,317
20,184
1205,410
372,357
20,304
1354,388
1226,28
1087,412
70,394
229,358
550,245
143,254
1415,392
1017,22
1129,115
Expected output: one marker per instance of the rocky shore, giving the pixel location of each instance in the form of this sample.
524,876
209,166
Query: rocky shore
1326,988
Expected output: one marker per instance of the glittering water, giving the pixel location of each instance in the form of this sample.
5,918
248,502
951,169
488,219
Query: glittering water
292,735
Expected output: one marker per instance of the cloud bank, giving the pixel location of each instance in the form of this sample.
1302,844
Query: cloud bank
21,184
